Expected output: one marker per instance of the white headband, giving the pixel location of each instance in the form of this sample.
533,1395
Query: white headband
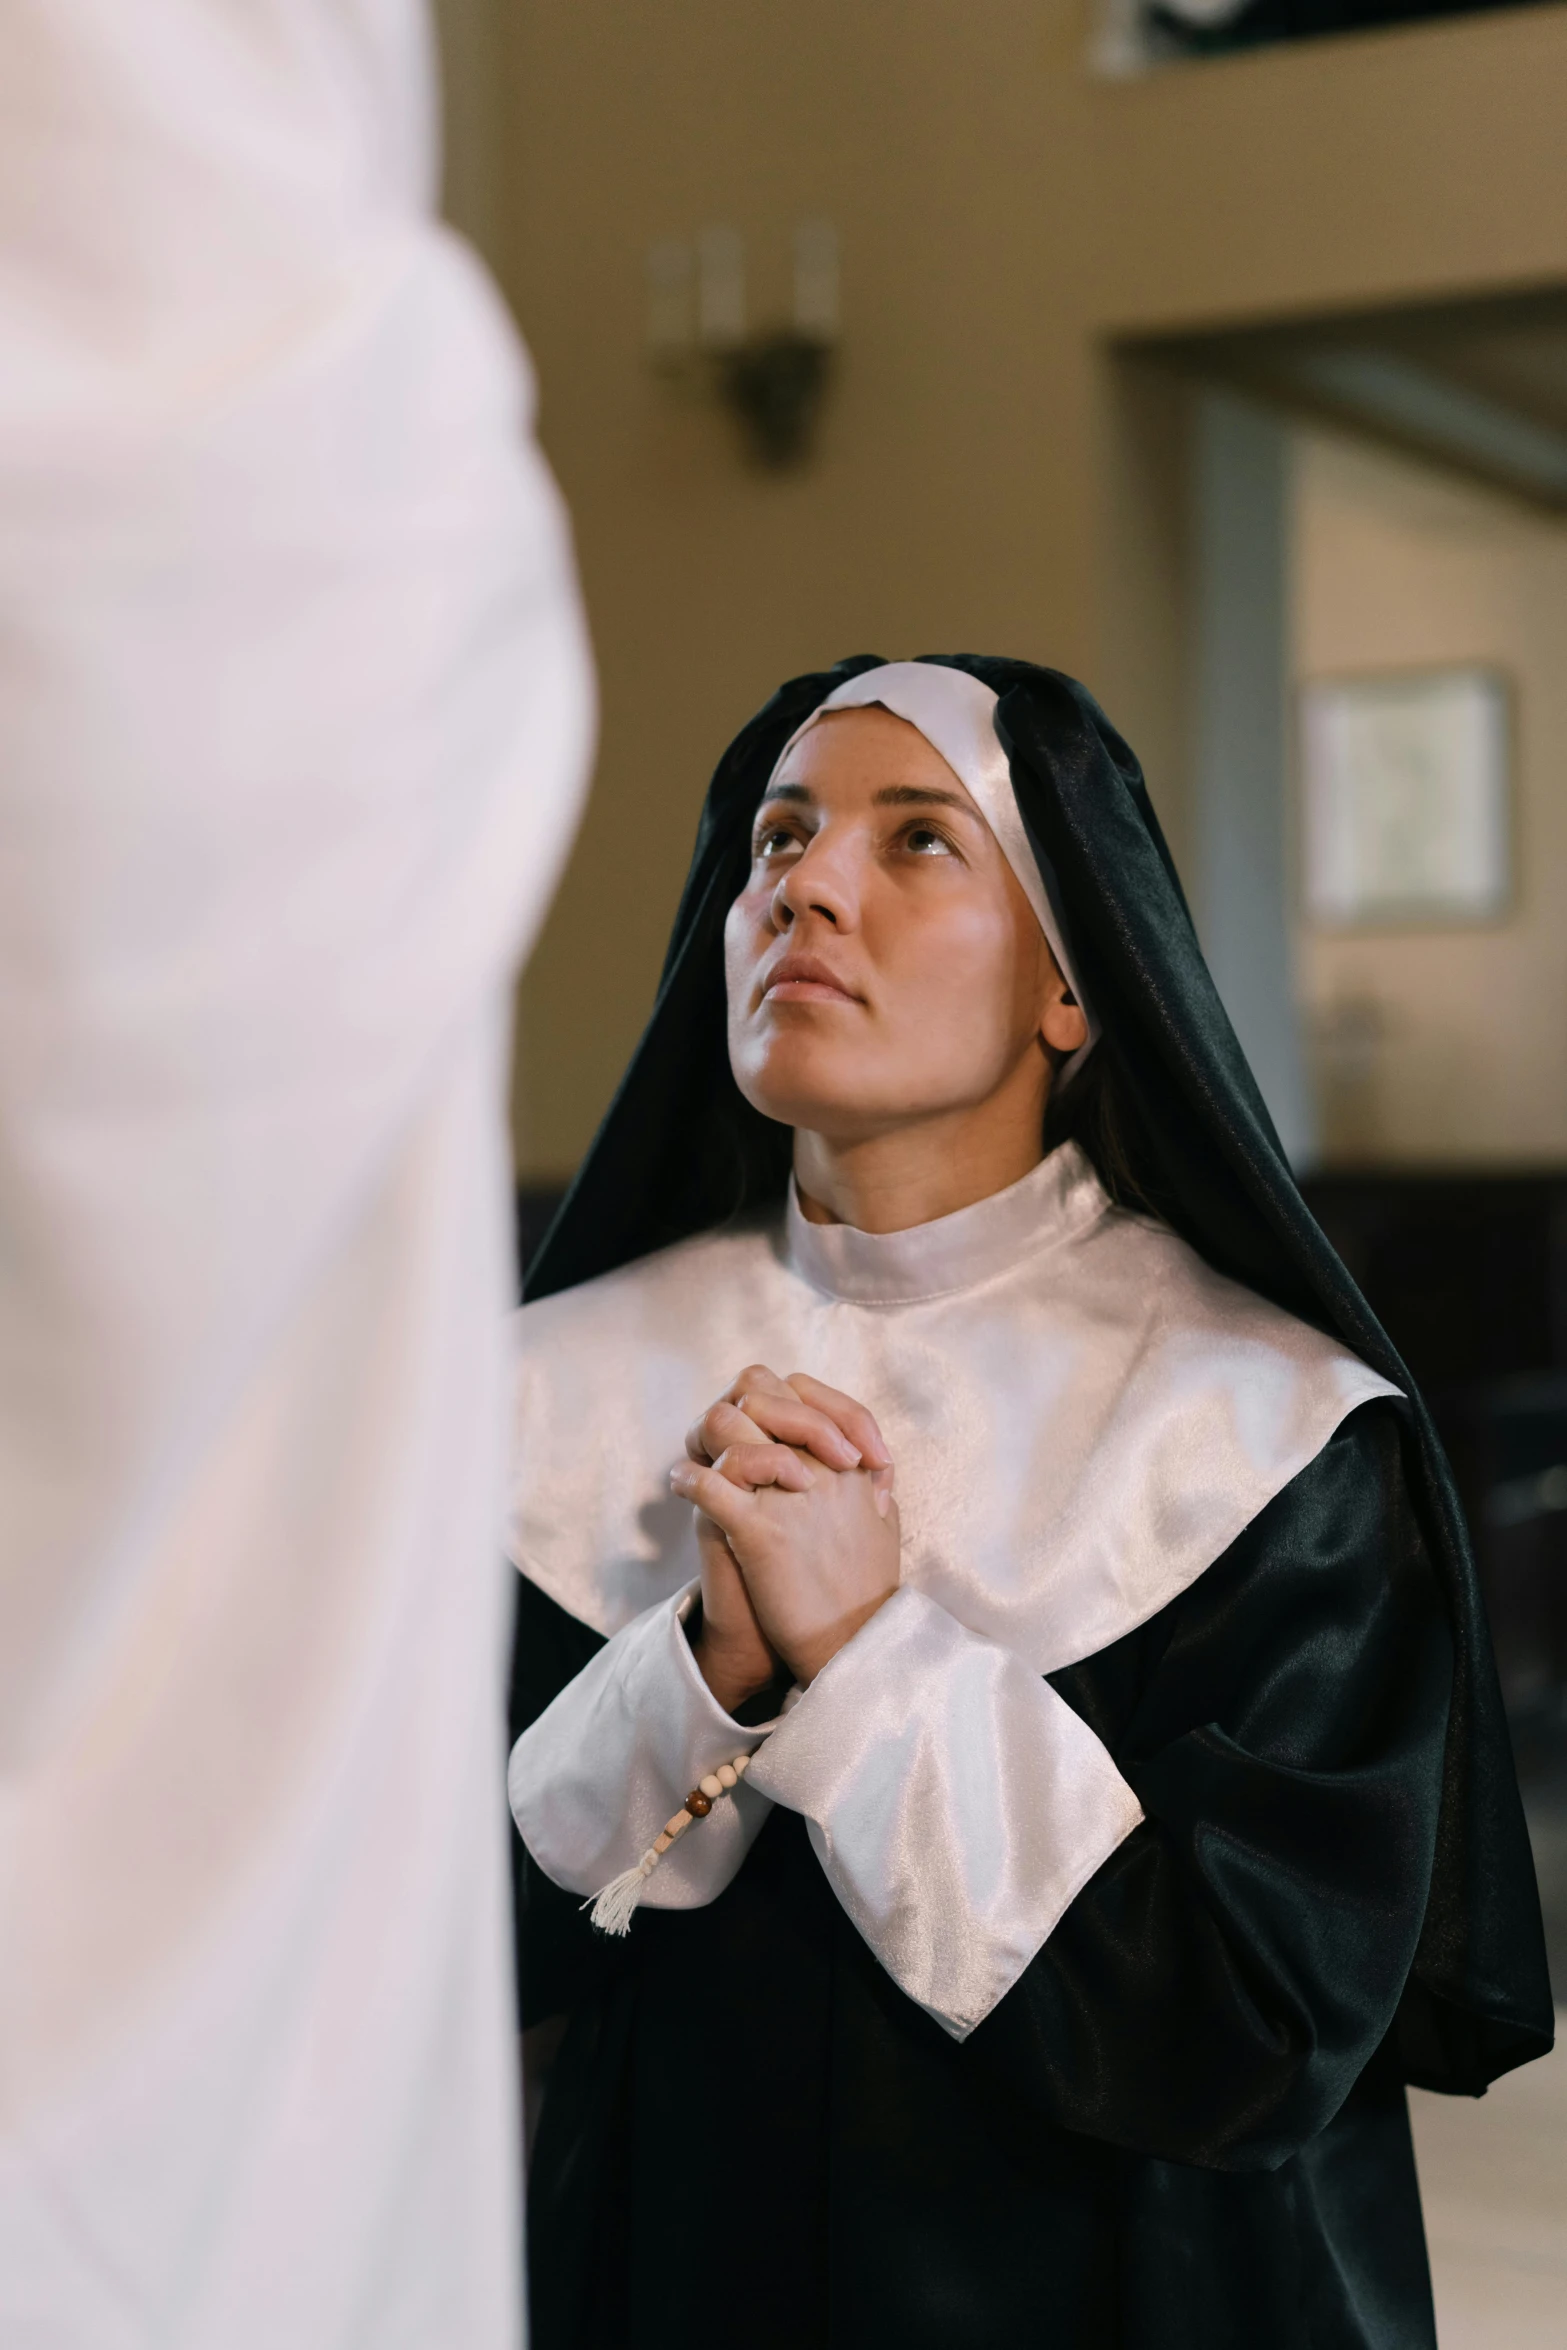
957,716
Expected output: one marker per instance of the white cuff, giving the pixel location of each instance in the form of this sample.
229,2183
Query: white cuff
602,1769
956,1803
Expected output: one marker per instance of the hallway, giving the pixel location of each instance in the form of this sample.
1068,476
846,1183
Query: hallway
1493,2174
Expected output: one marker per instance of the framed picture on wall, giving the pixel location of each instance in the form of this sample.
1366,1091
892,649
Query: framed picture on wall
1406,798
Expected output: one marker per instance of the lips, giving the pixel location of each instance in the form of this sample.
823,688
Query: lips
806,979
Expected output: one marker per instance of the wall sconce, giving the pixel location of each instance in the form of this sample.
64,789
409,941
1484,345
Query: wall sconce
773,380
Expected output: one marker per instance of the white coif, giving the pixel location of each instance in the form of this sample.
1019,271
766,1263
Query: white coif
293,724
1082,1415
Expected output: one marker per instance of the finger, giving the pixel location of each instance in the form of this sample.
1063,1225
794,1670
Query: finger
753,1465
755,1379
720,1425
713,1546
785,1417
856,1422
731,1507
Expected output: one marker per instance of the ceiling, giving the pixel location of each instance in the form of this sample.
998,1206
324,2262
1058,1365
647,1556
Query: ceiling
1477,386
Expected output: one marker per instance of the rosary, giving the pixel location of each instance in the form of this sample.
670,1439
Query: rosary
613,1907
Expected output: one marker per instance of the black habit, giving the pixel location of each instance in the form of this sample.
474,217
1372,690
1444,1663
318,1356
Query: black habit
1184,2128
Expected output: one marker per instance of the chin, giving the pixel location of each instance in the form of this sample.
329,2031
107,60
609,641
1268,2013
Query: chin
820,1091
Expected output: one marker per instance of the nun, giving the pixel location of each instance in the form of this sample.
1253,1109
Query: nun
1010,1768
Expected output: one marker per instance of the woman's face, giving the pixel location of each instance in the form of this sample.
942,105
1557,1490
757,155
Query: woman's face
883,964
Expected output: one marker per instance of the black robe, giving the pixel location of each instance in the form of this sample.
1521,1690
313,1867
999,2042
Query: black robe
1185,2124
1184,2128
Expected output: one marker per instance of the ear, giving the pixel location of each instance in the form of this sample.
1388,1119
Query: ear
1061,1021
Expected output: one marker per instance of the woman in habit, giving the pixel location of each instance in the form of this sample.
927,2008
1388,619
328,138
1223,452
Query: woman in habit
1011,1771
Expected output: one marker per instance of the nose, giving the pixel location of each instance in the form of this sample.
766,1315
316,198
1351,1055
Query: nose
821,882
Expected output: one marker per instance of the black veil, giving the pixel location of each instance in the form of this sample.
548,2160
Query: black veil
680,1151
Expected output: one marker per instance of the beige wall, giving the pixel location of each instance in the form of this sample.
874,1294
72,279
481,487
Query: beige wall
1442,1045
989,477
477,113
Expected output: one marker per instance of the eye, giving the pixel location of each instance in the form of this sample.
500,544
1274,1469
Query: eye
774,840
925,841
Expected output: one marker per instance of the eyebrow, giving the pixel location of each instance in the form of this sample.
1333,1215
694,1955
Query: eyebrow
893,795
919,795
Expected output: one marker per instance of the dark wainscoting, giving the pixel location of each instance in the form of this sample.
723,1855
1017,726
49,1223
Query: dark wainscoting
1468,1273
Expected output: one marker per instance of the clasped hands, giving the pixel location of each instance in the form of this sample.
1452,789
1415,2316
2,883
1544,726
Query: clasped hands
796,1525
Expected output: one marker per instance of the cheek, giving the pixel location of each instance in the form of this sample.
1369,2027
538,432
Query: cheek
743,942
955,975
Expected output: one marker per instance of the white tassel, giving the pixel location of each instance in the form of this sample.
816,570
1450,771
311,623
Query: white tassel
615,1905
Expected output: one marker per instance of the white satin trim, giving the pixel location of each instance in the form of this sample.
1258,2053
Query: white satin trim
1083,1415
601,1770
955,1802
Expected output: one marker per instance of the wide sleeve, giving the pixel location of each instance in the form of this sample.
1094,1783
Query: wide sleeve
956,1802
607,1762
610,1735
1217,1987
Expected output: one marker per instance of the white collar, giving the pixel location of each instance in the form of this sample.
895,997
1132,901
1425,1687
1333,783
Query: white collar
1056,1201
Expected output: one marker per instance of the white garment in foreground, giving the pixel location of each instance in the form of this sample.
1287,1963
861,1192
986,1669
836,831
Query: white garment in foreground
1083,1416
293,724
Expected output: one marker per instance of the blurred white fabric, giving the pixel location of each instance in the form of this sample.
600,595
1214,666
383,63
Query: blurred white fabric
294,719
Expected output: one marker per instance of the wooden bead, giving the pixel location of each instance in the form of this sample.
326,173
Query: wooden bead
672,1828
727,1776
662,1842
698,1804
740,1765
712,1786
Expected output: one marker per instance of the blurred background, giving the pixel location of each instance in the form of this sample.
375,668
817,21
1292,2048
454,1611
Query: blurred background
1214,352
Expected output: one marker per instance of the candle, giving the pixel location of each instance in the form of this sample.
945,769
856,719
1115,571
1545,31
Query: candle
720,288
670,310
